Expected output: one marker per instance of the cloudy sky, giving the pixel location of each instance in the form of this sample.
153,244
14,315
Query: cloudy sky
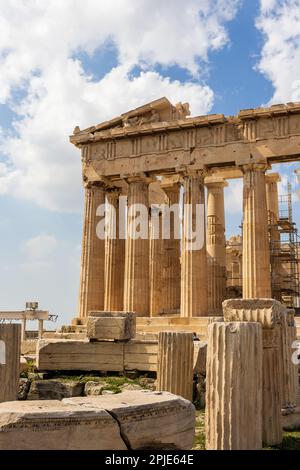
67,63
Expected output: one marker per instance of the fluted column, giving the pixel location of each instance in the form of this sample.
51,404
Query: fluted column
289,369
233,417
136,283
269,313
114,256
156,269
272,387
91,294
194,300
10,352
256,252
175,363
216,244
272,180
171,256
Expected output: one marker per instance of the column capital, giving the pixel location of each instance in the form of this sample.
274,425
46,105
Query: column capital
170,187
138,178
215,182
273,178
195,174
94,184
258,166
113,192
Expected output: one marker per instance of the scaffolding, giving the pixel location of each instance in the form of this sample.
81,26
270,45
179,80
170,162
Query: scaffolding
285,251
284,257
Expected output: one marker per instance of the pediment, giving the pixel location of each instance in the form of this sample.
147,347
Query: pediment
160,110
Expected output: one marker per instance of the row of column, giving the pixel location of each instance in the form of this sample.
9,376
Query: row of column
116,274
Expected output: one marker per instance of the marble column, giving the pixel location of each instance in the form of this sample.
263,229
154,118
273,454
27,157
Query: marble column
156,269
175,363
194,299
216,244
23,329
256,251
136,283
269,313
171,255
114,255
91,294
233,416
272,180
41,329
10,352
289,369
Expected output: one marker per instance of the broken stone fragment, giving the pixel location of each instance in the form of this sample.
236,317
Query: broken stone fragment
132,420
94,388
120,326
268,312
24,386
54,425
54,390
148,420
200,354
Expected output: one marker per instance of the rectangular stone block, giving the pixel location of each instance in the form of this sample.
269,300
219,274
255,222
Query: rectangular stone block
141,355
80,355
268,312
120,326
10,351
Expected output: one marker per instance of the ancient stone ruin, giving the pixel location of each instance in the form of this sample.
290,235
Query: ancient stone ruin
163,293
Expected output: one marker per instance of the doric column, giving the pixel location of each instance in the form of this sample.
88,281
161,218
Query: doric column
272,386
270,314
136,284
175,363
10,352
194,257
272,180
233,417
23,328
289,369
114,255
171,255
41,328
216,244
156,268
91,294
256,252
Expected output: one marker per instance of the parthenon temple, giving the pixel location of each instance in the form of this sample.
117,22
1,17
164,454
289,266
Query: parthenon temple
158,154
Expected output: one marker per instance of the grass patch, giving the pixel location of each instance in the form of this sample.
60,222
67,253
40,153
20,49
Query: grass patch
291,439
199,441
30,368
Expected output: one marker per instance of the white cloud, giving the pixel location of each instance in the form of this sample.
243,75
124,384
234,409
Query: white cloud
279,21
38,46
39,249
267,5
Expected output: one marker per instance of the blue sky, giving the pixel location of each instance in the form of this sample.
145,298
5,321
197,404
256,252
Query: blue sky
78,63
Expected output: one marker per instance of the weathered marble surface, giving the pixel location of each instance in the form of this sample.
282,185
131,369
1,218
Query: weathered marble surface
148,420
131,420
